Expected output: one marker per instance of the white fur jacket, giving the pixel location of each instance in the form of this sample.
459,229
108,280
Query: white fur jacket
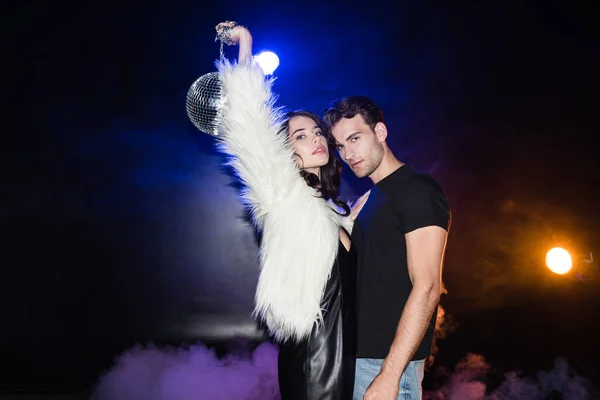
300,230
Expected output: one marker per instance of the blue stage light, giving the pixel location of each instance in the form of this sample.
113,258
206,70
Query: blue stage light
268,61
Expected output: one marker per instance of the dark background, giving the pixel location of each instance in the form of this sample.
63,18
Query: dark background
120,227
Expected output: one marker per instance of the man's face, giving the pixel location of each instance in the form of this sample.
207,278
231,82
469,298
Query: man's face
358,145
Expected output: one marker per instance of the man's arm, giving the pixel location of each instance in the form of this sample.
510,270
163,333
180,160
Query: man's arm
425,250
425,215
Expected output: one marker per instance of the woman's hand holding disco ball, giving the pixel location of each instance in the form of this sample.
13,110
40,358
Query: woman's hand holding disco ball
204,100
231,33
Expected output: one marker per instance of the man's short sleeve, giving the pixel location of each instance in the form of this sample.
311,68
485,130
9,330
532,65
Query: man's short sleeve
421,202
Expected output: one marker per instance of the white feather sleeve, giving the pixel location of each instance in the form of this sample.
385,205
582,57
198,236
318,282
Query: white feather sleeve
299,230
260,156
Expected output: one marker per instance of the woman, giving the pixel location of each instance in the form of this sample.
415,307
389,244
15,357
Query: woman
306,287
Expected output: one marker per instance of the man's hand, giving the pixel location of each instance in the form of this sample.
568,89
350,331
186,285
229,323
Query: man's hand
384,387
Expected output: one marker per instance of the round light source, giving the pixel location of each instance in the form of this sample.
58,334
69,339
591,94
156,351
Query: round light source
268,61
559,260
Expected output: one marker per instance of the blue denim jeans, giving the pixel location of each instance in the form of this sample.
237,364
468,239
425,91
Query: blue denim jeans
410,382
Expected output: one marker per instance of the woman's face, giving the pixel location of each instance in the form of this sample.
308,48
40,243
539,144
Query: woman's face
309,144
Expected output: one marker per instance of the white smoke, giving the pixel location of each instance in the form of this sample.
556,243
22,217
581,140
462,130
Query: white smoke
468,381
195,372
191,373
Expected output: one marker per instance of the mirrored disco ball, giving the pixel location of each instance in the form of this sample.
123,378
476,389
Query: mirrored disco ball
204,103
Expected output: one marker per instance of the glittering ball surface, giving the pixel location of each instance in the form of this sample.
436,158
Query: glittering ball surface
204,104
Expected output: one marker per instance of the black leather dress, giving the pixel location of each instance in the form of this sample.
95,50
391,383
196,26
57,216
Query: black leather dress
322,367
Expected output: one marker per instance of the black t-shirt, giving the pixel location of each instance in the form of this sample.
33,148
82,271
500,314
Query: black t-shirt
403,201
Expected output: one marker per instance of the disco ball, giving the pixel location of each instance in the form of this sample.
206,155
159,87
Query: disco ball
204,103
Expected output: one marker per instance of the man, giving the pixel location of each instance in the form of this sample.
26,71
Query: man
400,234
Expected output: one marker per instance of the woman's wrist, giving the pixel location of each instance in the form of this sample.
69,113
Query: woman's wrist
245,43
